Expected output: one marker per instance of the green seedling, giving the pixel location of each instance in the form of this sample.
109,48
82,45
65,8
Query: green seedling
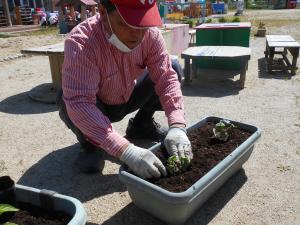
208,20
7,208
176,165
222,20
236,20
261,25
221,130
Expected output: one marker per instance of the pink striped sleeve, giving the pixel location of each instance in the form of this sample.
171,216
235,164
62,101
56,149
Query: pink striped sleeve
165,78
81,78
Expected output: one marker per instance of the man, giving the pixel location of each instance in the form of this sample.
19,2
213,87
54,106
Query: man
116,63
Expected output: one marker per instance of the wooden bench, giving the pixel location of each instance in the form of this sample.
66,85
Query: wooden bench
215,52
287,43
47,92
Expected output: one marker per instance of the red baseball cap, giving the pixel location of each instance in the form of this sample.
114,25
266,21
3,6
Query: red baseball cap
138,13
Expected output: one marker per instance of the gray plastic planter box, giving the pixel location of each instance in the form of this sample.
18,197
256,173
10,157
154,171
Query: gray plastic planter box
176,208
52,200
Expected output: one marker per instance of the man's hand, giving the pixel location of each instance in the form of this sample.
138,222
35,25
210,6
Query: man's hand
143,162
177,143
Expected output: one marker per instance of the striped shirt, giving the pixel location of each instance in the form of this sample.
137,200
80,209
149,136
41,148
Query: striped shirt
95,68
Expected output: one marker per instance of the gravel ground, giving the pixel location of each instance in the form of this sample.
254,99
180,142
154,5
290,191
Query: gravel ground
36,149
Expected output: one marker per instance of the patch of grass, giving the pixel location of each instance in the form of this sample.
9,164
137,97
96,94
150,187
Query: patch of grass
191,21
5,35
273,22
208,20
42,31
236,20
2,166
222,20
283,168
226,19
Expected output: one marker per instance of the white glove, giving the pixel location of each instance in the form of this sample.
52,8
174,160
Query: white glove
177,143
143,162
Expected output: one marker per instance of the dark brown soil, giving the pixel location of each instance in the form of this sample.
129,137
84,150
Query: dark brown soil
34,216
207,151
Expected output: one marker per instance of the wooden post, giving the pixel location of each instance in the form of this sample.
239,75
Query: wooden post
270,58
244,65
83,13
295,54
6,11
18,15
194,69
56,62
187,71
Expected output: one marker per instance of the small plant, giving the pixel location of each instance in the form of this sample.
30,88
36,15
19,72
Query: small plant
208,20
261,25
4,35
7,208
190,23
261,31
176,165
222,20
221,130
236,20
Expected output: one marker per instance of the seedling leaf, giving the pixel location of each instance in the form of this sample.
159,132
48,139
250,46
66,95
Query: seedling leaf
221,130
7,208
177,165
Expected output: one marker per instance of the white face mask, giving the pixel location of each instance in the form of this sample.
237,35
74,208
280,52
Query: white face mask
114,40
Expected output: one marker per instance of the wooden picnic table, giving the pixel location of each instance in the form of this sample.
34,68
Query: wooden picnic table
47,92
288,44
215,52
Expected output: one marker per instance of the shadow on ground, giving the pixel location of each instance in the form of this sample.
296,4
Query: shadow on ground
264,74
58,172
22,104
213,83
132,215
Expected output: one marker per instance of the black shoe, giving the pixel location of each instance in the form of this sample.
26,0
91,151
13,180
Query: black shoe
90,159
146,130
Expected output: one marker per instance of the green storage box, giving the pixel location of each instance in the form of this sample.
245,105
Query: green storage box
228,34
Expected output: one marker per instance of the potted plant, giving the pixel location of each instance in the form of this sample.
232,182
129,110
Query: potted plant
261,30
170,203
20,203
